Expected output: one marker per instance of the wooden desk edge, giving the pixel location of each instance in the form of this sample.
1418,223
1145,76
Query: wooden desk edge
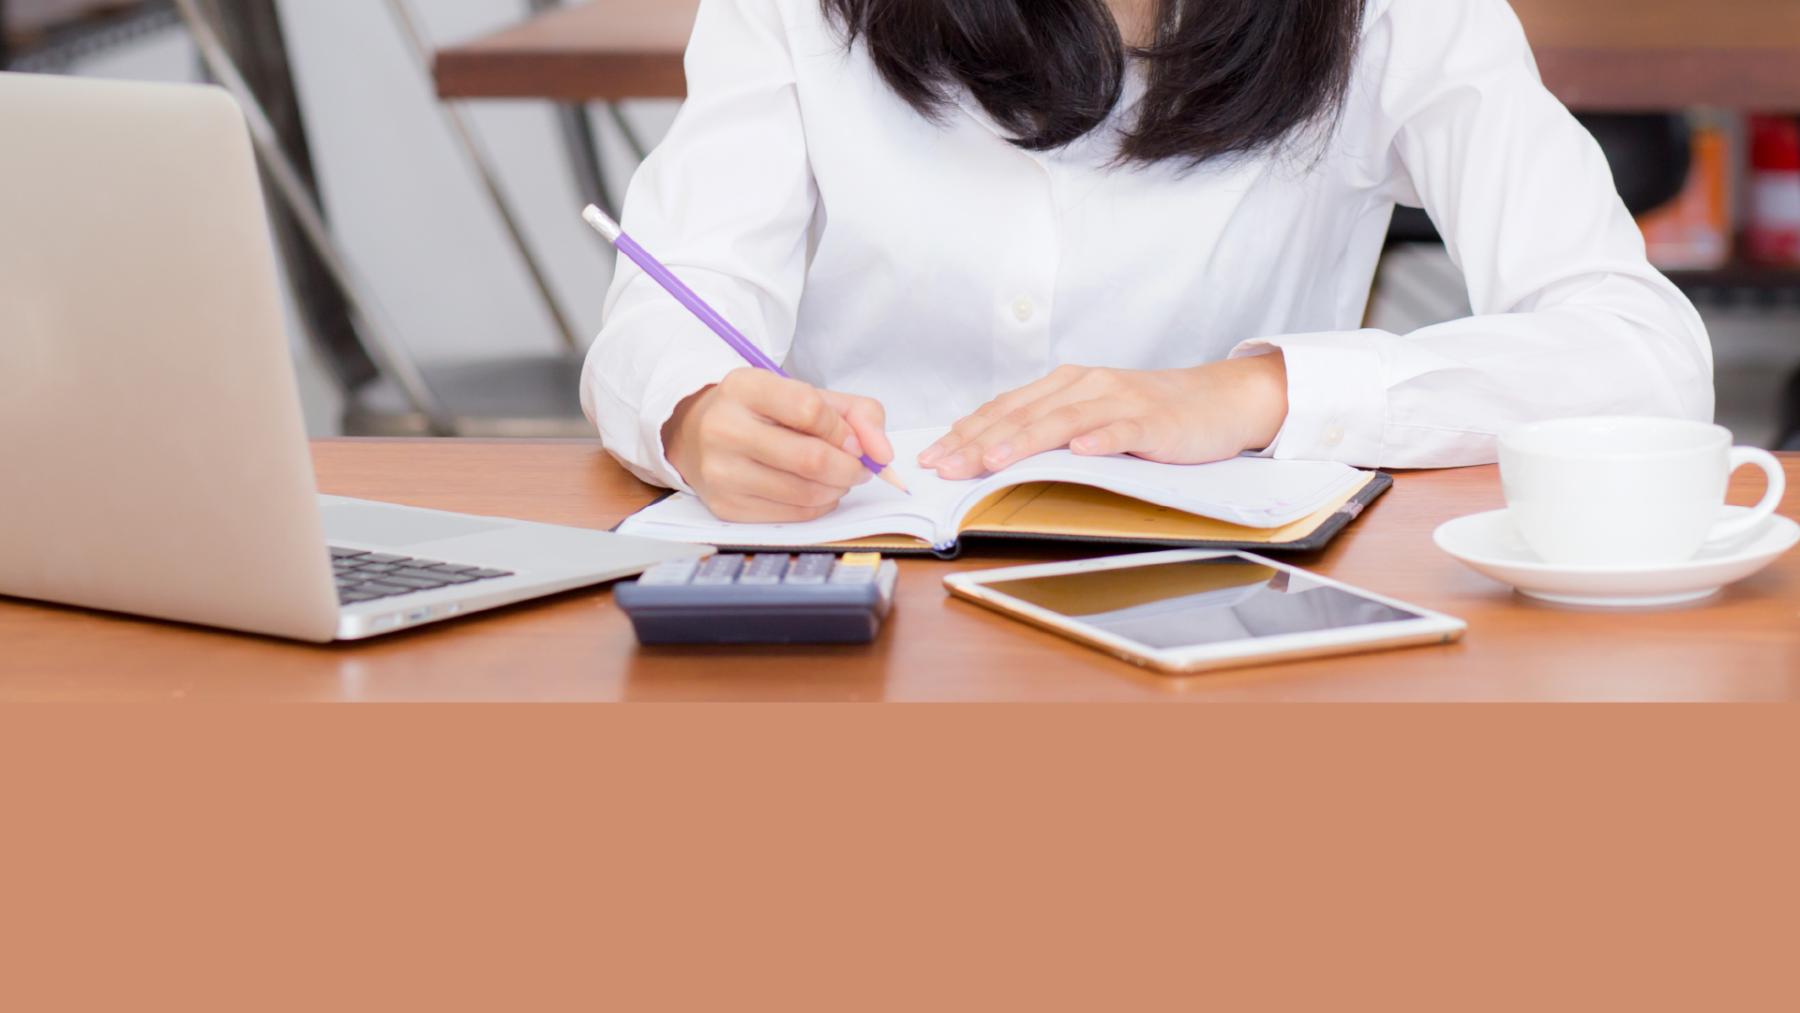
562,77
579,646
1585,79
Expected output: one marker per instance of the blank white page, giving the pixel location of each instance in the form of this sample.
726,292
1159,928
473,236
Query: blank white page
1253,492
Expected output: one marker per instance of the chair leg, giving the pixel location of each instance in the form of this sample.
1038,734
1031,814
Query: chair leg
633,141
412,29
291,187
579,141
252,34
1789,433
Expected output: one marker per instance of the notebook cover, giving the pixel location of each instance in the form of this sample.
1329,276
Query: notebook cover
906,547
1313,542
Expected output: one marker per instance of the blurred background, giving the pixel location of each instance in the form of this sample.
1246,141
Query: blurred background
426,160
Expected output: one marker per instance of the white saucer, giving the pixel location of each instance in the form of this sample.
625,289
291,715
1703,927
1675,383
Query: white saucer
1489,544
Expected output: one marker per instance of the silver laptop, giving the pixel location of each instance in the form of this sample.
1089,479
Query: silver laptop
152,455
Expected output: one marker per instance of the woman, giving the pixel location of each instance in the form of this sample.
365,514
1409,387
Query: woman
1121,226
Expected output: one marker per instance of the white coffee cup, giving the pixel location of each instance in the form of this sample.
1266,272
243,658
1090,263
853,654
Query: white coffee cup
1627,492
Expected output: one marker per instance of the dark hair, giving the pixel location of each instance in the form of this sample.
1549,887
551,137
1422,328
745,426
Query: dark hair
1226,77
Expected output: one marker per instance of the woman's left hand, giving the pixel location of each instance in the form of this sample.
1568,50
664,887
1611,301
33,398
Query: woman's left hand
1176,416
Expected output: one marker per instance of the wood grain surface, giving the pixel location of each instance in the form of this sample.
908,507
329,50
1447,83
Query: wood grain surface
1598,55
1745,645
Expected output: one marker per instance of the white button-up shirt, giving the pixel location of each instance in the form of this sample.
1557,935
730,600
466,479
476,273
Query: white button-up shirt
933,266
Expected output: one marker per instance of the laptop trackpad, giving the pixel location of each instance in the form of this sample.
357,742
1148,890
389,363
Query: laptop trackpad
392,526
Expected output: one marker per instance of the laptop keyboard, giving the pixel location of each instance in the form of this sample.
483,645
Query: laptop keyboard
369,576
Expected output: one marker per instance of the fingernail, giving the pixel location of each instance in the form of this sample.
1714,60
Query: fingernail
1083,445
852,446
999,455
931,454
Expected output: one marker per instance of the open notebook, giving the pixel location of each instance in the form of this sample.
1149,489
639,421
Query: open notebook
1240,503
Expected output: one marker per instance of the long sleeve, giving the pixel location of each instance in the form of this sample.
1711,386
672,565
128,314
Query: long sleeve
1571,319
725,201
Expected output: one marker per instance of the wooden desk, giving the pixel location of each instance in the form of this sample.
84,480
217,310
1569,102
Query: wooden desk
1743,646
1598,55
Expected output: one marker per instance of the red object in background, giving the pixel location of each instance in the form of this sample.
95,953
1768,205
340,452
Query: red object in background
1772,225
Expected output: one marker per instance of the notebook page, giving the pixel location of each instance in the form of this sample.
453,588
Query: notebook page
871,509
1252,491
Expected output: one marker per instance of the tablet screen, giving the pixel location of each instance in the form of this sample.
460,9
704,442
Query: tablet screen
1200,602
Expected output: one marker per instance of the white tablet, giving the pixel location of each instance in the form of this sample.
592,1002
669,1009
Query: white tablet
1192,611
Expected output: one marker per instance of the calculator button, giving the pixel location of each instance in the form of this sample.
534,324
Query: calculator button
811,569
719,570
765,570
675,573
854,575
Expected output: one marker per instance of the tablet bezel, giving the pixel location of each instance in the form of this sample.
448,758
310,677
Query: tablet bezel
1429,628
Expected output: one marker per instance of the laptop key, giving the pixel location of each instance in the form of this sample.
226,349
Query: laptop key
440,576
347,553
490,574
448,567
377,557
384,590
353,597
435,579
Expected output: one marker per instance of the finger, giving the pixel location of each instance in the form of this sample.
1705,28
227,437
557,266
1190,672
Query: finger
965,431
1121,437
1004,442
807,457
1060,428
1151,438
867,420
970,459
798,406
757,480
1060,379
960,453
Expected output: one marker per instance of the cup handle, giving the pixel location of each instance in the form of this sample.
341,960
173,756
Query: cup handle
1771,467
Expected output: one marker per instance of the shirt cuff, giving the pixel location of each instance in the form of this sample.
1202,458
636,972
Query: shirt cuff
659,408
1337,396
630,421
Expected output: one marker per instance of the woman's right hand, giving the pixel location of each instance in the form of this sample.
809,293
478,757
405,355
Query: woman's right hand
761,448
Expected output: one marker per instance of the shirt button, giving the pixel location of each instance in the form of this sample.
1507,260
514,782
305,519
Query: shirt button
1024,310
1334,436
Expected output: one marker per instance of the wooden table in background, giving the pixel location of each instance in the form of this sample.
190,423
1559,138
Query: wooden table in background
1745,645
1598,55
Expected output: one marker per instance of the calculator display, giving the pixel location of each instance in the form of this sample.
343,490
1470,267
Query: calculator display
1200,602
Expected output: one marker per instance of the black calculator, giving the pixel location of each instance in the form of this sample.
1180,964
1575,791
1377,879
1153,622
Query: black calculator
771,598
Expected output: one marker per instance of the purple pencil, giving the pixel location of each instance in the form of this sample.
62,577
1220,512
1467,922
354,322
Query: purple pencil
707,315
